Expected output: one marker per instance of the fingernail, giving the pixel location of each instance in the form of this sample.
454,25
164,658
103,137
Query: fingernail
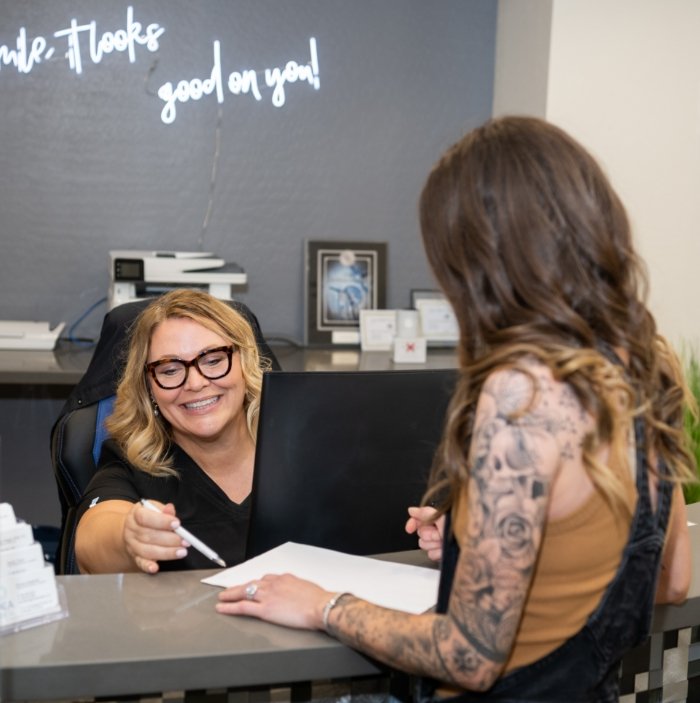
181,553
174,524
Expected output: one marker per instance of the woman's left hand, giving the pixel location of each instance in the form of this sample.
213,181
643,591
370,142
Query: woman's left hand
281,599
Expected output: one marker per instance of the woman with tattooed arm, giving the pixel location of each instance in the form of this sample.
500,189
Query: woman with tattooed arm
558,480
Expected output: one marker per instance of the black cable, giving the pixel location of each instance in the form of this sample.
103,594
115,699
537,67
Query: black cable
71,330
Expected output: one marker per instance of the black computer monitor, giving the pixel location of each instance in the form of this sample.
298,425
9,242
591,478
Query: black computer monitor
341,455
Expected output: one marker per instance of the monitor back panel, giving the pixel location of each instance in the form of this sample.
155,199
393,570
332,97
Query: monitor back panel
341,455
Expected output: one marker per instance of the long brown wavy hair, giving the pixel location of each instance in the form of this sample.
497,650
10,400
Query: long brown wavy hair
533,249
144,438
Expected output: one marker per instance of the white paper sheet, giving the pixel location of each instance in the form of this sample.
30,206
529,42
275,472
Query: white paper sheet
399,586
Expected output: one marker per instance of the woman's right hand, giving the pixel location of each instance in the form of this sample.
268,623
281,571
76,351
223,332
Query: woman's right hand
149,537
422,521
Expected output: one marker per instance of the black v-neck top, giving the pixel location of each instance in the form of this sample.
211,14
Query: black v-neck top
202,507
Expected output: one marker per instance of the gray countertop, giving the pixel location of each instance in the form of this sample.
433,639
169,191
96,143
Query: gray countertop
65,365
133,633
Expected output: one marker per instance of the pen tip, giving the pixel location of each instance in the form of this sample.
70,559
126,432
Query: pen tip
220,562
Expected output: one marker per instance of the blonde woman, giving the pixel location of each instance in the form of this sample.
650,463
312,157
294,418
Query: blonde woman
182,435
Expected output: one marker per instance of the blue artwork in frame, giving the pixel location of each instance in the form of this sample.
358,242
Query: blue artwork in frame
342,278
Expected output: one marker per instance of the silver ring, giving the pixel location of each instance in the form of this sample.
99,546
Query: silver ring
250,590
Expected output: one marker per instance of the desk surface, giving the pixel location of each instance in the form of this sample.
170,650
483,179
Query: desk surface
65,365
133,633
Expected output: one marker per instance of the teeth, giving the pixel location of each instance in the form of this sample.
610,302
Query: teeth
200,403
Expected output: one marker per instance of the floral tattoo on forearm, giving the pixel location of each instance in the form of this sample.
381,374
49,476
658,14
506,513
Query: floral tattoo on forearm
525,425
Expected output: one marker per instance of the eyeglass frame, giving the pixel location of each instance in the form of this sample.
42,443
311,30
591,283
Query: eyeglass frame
150,366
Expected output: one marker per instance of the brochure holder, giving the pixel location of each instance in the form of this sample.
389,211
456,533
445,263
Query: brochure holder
29,594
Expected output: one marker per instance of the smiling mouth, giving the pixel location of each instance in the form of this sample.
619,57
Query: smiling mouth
200,404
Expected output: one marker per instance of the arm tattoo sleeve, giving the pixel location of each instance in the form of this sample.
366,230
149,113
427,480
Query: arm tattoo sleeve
524,423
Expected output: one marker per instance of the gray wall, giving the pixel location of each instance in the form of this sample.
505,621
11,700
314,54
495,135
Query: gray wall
87,165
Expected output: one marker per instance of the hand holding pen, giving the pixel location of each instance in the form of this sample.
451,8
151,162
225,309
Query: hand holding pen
152,535
188,536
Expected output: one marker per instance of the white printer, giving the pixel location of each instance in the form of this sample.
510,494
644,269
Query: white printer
136,274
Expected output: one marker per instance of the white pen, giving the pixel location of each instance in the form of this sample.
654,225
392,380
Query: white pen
189,537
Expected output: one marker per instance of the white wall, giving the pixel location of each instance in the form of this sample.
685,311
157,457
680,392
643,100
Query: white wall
623,77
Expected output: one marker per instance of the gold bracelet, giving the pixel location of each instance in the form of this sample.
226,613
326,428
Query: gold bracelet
329,606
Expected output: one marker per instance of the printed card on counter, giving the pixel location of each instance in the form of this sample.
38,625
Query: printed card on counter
15,536
21,560
29,594
7,514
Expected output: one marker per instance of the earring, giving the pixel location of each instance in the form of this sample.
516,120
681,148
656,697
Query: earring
156,411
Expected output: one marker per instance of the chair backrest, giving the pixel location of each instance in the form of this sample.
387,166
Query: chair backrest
72,455
78,433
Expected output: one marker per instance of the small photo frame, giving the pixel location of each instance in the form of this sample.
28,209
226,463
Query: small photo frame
425,294
437,318
377,329
341,279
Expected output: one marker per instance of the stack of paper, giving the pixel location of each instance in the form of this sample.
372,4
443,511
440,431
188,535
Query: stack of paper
28,592
399,586
28,334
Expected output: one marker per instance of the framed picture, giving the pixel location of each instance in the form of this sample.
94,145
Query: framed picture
377,329
437,319
342,278
425,294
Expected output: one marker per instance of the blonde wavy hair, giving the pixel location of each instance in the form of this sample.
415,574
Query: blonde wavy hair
533,249
144,438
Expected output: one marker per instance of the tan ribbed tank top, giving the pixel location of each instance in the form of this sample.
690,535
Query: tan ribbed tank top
579,556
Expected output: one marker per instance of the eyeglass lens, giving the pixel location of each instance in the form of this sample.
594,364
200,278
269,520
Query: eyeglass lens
212,365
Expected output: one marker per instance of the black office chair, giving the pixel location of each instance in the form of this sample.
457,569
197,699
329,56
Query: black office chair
78,433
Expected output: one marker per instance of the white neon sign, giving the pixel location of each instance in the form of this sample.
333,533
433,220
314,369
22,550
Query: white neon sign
86,45
239,83
99,44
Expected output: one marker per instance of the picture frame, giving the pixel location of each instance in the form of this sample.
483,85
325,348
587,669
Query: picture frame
425,294
377,329
341,279
437,319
